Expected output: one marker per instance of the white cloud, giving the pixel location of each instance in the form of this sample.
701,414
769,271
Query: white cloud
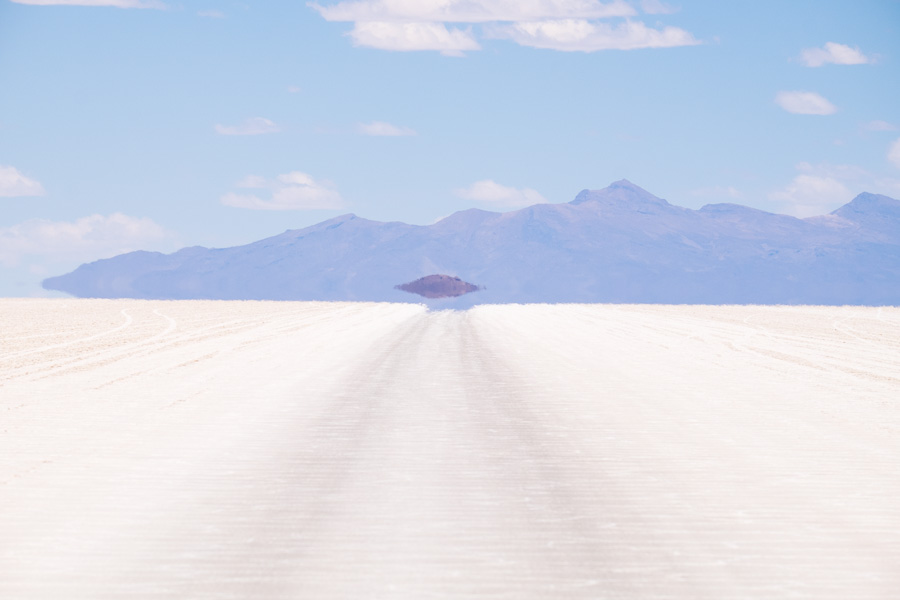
113,3
580,35
894,153
294,89
552,24
804,103
380,128
469,11
252,126
880,126
211,14
656,7
820,189
87,238
495,194
832,53
14,184
809,195
290,191
407,37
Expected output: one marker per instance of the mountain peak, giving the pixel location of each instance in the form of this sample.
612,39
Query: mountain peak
341,219
625,184
872,212
866,200
867,205
619,193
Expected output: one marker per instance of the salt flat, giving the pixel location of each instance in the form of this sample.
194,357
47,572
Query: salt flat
351,450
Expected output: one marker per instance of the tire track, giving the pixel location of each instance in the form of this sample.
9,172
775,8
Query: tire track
128,321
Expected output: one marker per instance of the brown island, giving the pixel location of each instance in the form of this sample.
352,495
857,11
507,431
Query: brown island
438,286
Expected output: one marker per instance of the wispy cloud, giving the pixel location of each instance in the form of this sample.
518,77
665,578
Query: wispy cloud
491,192
568,25
408,37
211,14
894,153
380,128
290,191
810,195
880,126
804,103
14,184
820,189
87,238
252,126
656,7
113,3
579,35
470,11
835,54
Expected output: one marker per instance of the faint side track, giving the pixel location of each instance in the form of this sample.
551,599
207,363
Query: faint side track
10,340
129,340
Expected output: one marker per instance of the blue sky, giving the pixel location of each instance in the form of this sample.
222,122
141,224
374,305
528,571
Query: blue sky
158,124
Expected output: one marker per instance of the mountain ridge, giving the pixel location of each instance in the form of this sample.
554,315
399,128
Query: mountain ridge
617,244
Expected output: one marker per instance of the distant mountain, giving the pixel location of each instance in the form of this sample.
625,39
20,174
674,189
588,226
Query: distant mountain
619,244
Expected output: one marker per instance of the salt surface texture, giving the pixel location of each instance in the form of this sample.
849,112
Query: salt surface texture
341,450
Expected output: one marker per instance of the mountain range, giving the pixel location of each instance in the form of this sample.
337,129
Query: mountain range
620,244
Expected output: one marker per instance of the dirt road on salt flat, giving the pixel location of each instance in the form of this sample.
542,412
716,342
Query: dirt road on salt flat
311,450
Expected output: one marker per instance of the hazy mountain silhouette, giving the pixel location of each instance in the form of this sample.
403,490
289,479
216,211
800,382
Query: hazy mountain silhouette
619,244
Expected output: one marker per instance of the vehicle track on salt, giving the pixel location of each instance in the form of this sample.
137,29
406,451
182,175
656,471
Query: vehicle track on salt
346,450
90,338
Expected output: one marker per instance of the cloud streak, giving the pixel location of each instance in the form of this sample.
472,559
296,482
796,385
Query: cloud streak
491,192
565,25
290,191
380,128
578,35
804,103
14,184
468,11
880,126
410,37
87,238
834,54
112,3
